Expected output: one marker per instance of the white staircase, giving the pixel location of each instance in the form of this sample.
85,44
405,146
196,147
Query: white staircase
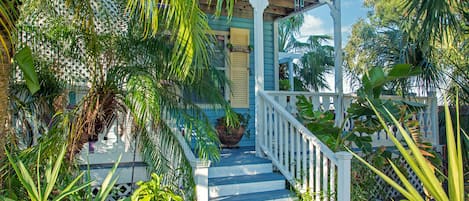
240,175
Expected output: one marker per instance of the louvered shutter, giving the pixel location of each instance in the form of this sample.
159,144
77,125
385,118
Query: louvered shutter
239,69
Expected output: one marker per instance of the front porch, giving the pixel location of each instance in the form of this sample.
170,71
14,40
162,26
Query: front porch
286,156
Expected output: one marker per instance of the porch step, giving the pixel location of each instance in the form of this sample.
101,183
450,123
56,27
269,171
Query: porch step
236,185
279,195
241,175
239,170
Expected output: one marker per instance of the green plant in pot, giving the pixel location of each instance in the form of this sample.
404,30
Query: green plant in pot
231,131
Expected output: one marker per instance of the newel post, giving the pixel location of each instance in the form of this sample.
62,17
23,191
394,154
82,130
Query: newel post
201,179
344,181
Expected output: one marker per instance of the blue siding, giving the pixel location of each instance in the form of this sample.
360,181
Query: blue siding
221,24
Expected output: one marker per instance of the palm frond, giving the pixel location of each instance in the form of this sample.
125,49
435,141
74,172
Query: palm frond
8,16
434,21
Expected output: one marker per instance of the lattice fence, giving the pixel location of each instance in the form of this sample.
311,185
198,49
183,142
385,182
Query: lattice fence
56,43
386,192
119,191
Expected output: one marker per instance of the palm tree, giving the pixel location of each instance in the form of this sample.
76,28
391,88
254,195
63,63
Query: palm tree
287,30
316,63
7,18
172,56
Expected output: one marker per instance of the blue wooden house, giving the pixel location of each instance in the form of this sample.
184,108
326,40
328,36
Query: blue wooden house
280,154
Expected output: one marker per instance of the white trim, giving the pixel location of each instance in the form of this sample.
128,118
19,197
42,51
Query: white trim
258,7
339,88
304,10
276,57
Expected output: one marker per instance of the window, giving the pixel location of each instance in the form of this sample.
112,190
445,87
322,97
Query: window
237,71
219,62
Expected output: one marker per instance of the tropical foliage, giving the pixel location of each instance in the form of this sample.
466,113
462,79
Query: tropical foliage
316,62
412,32
425,172
288,30
172,56
153,190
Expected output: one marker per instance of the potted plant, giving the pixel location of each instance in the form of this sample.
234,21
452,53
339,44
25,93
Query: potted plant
231,134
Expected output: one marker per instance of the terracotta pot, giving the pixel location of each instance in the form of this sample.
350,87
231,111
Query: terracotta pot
230,137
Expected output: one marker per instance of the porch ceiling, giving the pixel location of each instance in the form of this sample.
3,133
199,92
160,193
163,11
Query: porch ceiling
276,8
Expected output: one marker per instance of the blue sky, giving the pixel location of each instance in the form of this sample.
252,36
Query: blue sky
319,21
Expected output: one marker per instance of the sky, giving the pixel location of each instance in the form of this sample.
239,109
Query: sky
318,21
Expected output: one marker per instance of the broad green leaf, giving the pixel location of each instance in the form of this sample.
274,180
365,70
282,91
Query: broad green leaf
377,77
24,59
401,71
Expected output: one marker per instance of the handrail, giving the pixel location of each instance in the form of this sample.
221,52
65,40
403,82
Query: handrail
199,166
306,162
297,93
189,154
329,101
296,123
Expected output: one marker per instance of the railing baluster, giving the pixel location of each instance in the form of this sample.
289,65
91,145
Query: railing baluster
332,181
298,154
316,103
311,165
281,135
318,173
285,143
276,133
292,150
325,171
270,134
304,157
263,135
326,103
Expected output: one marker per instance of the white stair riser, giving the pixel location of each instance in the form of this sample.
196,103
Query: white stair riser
244,188
227,171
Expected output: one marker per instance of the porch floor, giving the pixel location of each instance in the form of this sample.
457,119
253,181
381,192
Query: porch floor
239,156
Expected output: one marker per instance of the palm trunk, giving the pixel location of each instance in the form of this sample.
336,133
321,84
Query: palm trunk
5,67
4,74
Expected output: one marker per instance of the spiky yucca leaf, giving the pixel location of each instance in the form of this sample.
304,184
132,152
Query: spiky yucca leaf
421,168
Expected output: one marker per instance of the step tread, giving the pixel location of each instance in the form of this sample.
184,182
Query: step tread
245,179
239,156
261,196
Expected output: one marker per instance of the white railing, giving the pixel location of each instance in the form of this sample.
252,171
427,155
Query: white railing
329,101
199,166
427,117
303,159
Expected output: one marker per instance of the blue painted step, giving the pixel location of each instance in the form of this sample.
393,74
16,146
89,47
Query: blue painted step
245,184
279,195
245,179
241,175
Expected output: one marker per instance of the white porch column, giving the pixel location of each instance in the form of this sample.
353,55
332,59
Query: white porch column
434,117
290,75
258,9
339,88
